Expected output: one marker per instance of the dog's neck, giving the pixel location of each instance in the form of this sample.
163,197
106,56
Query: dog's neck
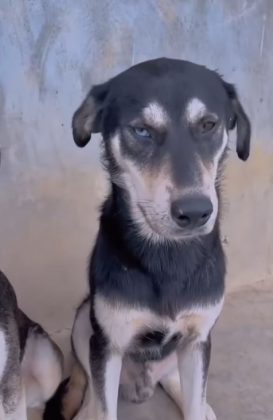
122,233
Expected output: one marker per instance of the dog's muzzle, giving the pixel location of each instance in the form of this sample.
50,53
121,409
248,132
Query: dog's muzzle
191,212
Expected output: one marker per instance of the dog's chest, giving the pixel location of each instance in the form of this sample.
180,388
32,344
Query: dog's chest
130,328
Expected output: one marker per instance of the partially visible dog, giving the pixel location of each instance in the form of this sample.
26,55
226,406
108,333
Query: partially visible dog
157,270
31,363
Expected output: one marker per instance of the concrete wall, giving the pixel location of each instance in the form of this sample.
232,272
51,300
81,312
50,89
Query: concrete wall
50,53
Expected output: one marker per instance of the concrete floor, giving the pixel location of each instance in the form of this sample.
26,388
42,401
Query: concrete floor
241,374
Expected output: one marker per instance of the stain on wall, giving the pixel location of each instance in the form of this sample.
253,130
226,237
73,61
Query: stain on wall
50,54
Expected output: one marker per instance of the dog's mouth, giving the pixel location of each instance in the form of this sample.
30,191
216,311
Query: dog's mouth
163,227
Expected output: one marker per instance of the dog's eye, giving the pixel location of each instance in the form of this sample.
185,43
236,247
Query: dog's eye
206,125
142,132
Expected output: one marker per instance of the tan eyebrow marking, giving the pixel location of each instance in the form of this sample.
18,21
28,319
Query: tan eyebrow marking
195,109
155,115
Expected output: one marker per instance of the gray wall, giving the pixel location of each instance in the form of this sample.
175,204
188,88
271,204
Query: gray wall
50,53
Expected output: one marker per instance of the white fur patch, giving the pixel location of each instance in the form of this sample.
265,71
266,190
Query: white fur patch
220,152
121,323
41,370
155,115
112,377
195,109
81,334
190,365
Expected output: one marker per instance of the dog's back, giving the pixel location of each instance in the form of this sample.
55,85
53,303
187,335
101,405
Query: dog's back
9,334
10,349
30,362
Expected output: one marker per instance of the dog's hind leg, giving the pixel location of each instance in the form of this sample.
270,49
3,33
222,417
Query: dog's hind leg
41,367
81,334
100,401
82,393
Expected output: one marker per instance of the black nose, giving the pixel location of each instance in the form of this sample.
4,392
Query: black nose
192,211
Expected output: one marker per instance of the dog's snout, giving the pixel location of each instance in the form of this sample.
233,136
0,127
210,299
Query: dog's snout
191,212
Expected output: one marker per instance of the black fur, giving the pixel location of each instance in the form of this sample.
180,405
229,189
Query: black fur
163,277
98,358
206,352
150,347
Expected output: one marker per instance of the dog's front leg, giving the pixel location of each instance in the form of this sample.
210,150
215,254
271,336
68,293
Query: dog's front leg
193,362
20,413
105,368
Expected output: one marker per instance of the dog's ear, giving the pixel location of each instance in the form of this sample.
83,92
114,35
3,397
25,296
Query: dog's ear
240,120
88,117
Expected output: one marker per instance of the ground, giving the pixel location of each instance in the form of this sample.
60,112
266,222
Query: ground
241,374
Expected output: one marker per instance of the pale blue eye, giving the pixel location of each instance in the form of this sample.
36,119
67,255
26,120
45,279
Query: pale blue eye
142,132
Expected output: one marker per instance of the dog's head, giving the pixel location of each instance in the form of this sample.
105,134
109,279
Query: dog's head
165,127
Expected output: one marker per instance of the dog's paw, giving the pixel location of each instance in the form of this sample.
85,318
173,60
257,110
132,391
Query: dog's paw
210,415
145,390
142,389
136,393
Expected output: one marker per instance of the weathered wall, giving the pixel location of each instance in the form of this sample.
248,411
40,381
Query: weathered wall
50,53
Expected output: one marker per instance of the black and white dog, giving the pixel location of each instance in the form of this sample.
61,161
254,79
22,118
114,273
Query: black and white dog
157,270
30,362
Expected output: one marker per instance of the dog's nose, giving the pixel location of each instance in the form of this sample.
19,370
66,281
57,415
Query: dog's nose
191,212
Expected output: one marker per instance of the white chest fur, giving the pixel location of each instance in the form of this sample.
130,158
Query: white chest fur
122,323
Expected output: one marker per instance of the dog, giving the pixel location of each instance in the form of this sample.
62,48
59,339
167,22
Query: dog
31,364
157,270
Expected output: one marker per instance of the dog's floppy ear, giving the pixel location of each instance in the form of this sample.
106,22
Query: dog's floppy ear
240,120
87,118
